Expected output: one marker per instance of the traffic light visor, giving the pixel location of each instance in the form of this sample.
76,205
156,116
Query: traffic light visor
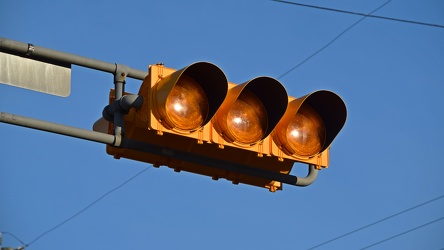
251,111
310,124
187,99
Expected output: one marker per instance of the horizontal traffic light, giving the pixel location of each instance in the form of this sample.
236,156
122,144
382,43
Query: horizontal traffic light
255,124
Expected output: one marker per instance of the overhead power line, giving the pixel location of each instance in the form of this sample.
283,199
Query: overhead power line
332,41
13,236
360,14
408,231
376,222
87,207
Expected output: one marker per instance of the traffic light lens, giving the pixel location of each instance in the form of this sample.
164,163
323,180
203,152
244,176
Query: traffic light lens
306,133
187,104
247,118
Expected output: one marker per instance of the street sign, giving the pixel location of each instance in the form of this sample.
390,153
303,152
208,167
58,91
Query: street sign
35,75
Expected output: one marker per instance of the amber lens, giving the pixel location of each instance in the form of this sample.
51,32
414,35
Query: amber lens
187,104
247,118
306,132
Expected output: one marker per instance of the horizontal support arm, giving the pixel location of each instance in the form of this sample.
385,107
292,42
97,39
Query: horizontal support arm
154,149
56,128
37,52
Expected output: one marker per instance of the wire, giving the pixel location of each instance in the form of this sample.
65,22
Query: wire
408,231
361,14
332,41
379,221
13,236
86,208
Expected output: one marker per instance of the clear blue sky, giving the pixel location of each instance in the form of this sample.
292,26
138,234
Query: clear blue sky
387,158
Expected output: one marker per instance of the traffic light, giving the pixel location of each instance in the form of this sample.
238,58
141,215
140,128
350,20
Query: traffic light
255,124
308,128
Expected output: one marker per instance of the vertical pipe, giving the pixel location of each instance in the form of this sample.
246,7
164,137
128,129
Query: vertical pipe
119,90
309,179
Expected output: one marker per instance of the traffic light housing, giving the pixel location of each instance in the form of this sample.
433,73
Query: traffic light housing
255,124
183,101
309,126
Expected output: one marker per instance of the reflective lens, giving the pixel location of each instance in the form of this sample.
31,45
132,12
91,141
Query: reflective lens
187,104
247,118
306,132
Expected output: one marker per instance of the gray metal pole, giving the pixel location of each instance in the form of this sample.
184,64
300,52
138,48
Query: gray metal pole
56,128
32,51
154,149
225,165
309,179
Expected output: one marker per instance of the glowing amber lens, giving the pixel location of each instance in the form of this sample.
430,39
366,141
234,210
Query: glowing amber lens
187,104
247,118
306,132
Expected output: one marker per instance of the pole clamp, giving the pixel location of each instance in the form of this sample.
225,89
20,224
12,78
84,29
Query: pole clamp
31,49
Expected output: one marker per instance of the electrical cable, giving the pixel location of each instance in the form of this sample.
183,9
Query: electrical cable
332,41
376,222
13,236
360,14
408,231
87,207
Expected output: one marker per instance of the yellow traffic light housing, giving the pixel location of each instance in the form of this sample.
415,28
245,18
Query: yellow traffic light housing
182,101
250,112
309,126
199,122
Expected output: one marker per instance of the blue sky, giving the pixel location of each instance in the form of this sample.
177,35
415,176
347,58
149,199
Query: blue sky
387,158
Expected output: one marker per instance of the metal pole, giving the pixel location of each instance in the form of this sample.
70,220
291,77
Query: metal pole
309,179
56,128
37,52
153,149
225,165
119,90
